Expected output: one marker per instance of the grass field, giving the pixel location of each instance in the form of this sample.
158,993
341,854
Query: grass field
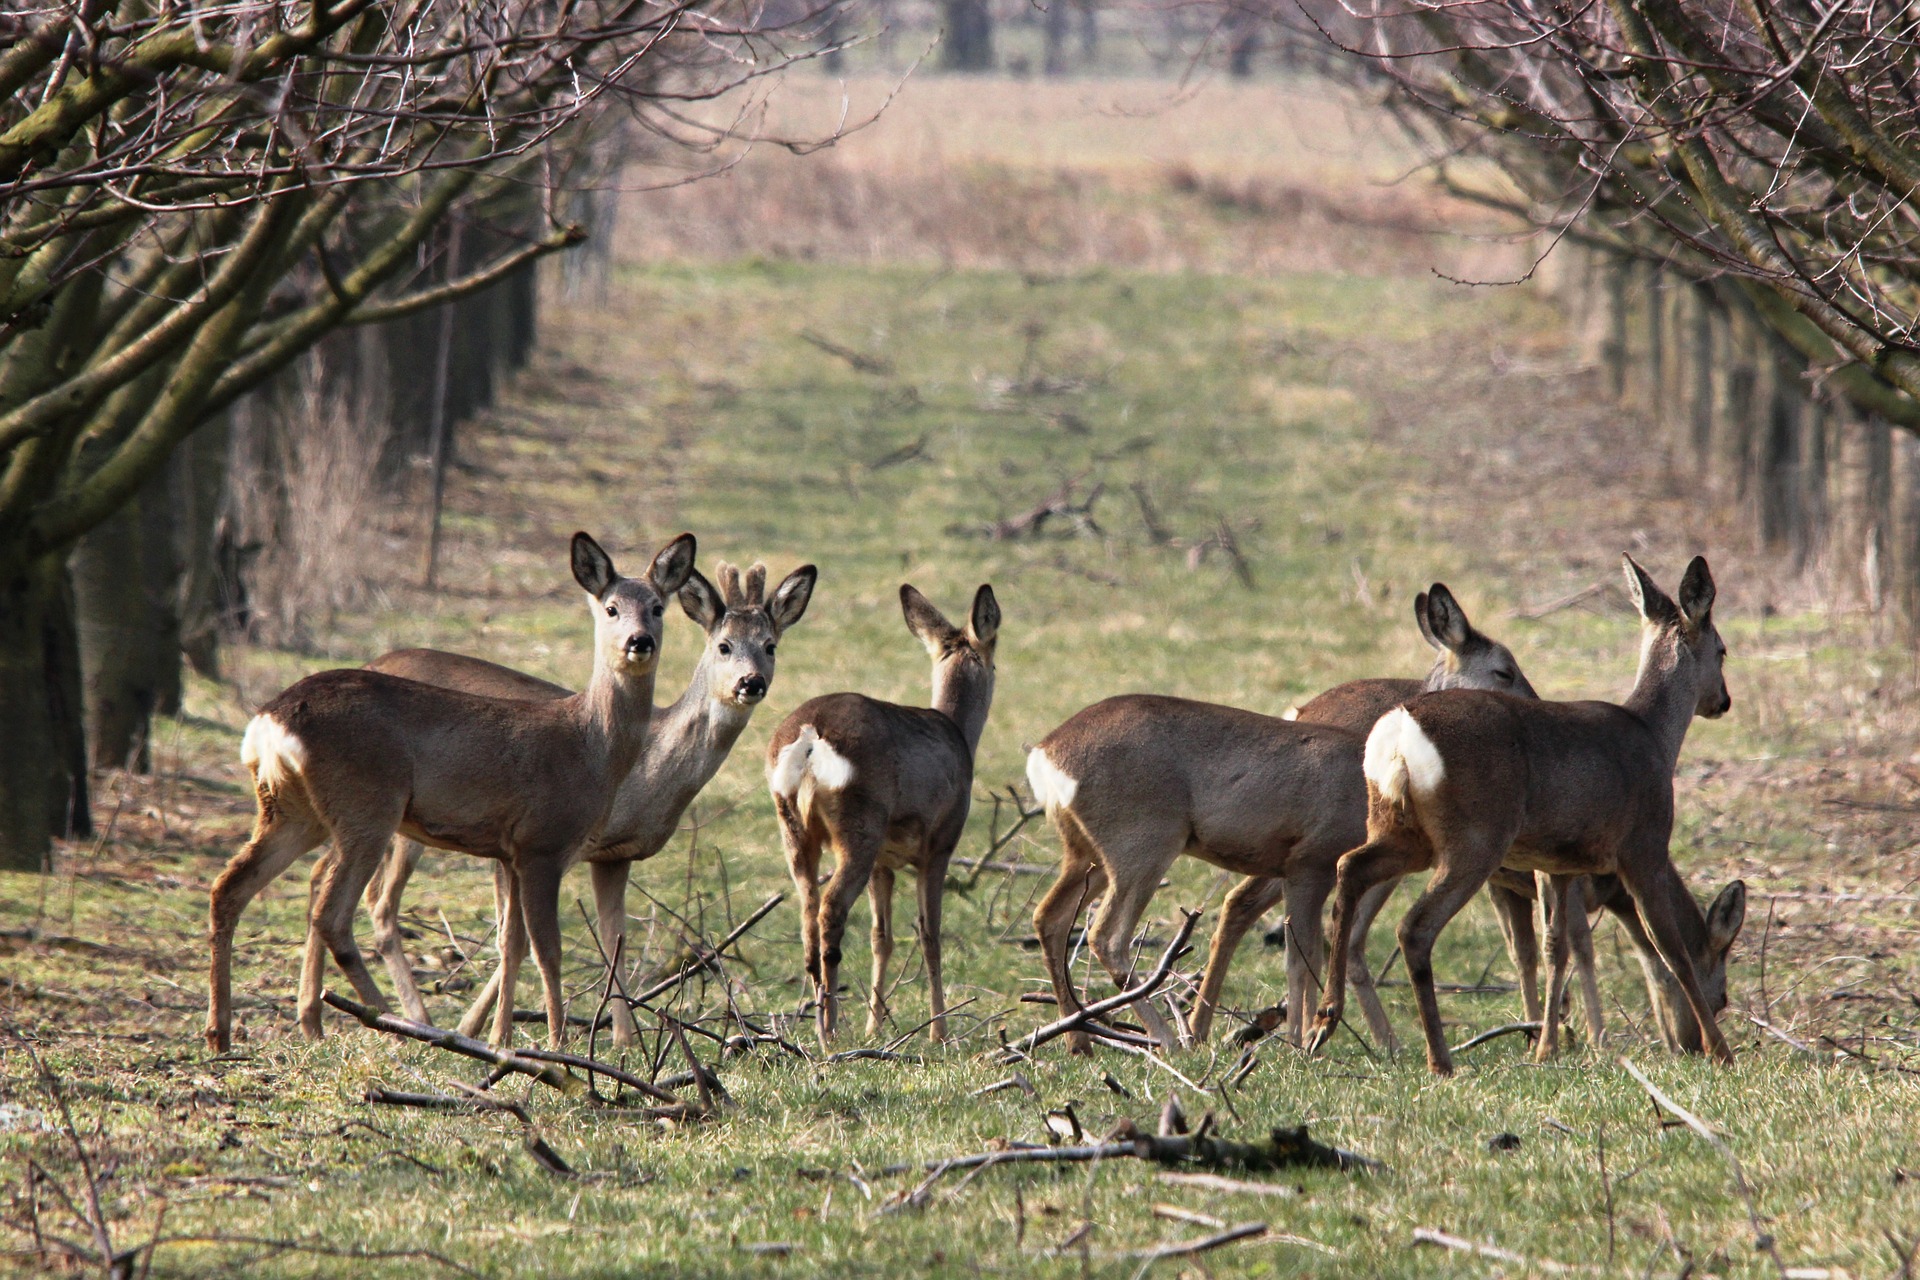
1360,435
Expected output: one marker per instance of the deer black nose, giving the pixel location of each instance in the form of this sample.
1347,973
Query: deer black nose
640,646
751,687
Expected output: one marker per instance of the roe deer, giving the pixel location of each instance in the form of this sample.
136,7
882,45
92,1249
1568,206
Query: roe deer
359,755
888,786
1465,782
686,744
1133,782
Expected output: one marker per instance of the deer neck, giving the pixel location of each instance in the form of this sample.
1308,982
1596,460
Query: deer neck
1665,692
964,696
698,725
618,709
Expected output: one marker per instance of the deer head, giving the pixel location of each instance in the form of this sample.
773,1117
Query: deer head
962,658
628,612
1681,637
1468,659
1679,1029
744,627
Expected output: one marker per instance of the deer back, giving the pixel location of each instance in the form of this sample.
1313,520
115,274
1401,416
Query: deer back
470,675
874,759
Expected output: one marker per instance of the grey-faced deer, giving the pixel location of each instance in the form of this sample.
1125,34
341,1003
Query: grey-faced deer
686,744
357,756
1465,782
888,787
1467,660
1132,783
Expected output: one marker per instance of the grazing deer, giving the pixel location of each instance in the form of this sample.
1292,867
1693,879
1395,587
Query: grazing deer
888,786
685,746
1465,782
1133,782
356,756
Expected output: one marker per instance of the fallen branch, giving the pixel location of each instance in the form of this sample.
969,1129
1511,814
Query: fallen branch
1214,1182
1059,505
1082,1019
454,1042
698,963
858,361
1427,1235
1505,1029
380,1095
1186,1248
1283,1149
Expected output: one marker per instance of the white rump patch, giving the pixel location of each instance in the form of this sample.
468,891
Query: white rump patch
791,764
1401,759
1291,713
1052,788
830,769
272,751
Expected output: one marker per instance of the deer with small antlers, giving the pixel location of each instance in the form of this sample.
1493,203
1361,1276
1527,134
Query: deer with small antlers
1465,782
355,756
888,787
1133,782
686,744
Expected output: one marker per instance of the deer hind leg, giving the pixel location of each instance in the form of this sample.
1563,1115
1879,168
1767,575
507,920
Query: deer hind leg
1135,863
279,839
1462,870
1580,932
512,931
933,888
506,917
880,896
1360,974
357,852
610,905
1379,862
856,848
1249,900
1559,902
1081,880
384,894
803,864
1515,912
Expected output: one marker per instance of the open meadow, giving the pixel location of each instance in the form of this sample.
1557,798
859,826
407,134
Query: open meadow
1280,423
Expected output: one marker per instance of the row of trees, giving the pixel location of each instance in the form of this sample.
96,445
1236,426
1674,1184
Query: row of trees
196,197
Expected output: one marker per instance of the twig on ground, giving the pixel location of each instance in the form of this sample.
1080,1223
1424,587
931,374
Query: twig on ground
1428,1235
1507,1029
1081,1019
1283,1149
700,962
1214,1182
1762,1239
860,362
454,1042
1186,1248
380,1095
1014,1081
870,1055
1174,1213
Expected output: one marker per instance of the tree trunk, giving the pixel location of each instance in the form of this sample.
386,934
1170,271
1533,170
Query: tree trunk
68,812
200,479
160,573
1089,31
969,42
1059,17
116,629
27,746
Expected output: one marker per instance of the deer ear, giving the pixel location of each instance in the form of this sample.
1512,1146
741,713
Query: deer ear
1652,603
1726,915
925,621
984,621
701,602
672,564
1420,619
1447,626
592,567
791,596
1696,591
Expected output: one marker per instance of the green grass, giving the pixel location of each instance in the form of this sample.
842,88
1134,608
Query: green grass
1326,420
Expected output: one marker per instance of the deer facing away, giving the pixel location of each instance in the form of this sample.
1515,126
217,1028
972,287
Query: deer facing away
888,787
686,744
1133,782
356,756
1466,782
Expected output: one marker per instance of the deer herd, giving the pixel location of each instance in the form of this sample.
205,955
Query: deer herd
1557,809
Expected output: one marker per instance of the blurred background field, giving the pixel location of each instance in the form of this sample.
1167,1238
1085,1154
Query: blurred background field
1213,315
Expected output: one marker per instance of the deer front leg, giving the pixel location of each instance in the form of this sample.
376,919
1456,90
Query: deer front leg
610,905
540,912
512,932
1515,912
1580,932
880,897
1081,880
1249,900
933,888
384,895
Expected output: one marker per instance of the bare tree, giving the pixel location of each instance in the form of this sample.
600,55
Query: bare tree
195,195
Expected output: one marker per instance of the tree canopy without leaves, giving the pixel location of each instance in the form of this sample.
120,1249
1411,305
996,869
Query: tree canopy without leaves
1770,145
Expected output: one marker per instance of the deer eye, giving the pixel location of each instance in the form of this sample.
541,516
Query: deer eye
658,610
769,648
613,611
1504,677
726,650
